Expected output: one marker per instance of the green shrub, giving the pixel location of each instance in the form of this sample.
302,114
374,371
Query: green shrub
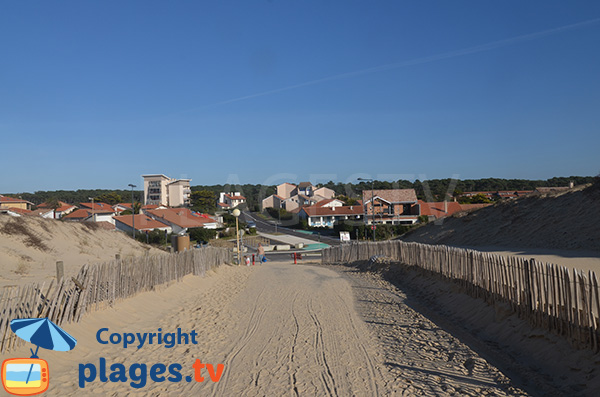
200,234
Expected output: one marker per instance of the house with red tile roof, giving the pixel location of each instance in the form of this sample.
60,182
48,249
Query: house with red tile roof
61,211
230,200
16,212
11,202
141,222
436,210
330,203
47,213
120,207
182,219
498,194
100,213
79,215
329,216
391,206
97,206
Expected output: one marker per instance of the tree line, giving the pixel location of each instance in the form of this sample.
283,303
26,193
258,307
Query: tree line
204,197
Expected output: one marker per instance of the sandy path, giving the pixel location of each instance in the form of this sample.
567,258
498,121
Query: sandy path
278,329
299,334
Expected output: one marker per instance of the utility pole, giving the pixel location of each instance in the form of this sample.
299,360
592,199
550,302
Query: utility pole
372,203
132,211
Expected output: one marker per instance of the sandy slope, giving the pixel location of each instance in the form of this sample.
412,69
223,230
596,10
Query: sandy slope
30,247
279,329
564,225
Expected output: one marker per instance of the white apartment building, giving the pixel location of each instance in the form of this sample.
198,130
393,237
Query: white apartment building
159,189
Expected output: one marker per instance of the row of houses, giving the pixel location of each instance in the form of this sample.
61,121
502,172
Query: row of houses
171,220
319,208
512,194
292,197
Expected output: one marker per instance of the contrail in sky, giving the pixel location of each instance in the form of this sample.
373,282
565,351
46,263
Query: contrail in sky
418,61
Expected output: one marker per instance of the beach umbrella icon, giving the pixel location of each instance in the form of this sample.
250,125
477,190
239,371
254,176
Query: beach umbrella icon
42,333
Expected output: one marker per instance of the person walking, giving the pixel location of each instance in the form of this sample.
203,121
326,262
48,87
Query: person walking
261,253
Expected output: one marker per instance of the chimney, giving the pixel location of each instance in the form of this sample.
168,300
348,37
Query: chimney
445,206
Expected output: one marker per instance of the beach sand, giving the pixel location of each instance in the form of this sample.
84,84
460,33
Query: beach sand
283,329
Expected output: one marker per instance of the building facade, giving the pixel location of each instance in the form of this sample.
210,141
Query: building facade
159,189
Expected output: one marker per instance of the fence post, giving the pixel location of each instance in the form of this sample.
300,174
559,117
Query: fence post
60,271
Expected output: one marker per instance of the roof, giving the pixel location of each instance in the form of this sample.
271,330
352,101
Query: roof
302,196
5,199
329,211
98,207
37,212
303,185
235,197
437,208
22,211
150,207
321,203
124,205
62,206
178,181
142,222
79,214
287,183
224,205
181,217
155,175
391,195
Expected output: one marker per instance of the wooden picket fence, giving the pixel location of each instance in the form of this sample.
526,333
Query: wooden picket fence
97,286
549,296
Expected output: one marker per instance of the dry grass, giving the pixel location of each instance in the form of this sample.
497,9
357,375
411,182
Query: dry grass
15,228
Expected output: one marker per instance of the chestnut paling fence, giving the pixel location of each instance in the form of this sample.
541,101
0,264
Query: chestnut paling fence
552,297
97,286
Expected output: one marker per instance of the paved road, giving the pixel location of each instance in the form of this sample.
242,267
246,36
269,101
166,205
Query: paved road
269,227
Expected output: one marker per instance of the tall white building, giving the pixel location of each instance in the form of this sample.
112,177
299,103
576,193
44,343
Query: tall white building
159,189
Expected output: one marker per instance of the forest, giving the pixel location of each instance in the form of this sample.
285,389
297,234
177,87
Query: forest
204,196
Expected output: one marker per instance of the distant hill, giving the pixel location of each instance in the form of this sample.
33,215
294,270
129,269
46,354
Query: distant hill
570,221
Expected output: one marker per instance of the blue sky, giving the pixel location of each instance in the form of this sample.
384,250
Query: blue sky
94,94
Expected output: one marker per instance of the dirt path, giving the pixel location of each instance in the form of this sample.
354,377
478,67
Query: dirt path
279,329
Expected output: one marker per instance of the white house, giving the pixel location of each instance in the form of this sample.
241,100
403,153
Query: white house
329,216
230,200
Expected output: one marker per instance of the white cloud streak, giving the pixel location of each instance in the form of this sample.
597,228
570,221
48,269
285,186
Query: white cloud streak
418,61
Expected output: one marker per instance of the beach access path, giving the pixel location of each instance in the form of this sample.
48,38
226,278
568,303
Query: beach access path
279,329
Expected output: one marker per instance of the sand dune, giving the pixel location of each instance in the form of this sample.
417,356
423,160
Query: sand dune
558,228
30,247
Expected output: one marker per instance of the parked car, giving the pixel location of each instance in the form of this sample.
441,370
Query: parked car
251,224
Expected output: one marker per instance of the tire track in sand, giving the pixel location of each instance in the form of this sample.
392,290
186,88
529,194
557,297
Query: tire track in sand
300,336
